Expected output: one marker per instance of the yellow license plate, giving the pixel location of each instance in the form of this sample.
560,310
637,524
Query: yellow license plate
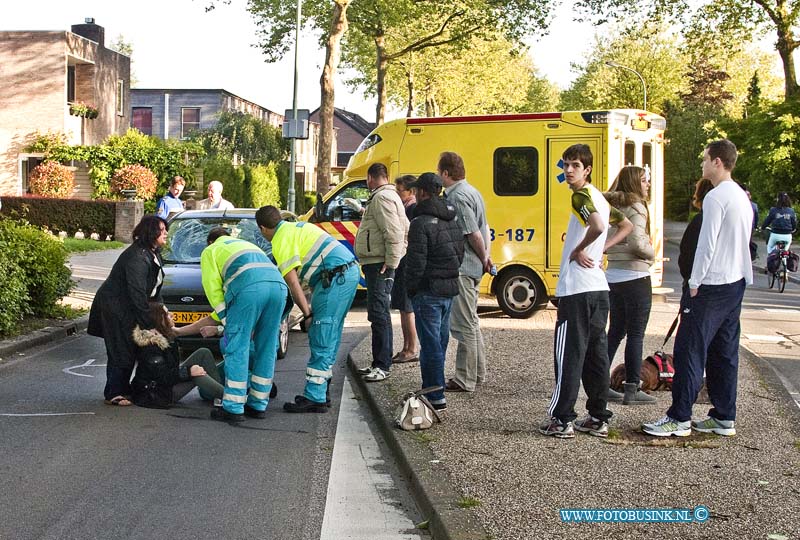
188,317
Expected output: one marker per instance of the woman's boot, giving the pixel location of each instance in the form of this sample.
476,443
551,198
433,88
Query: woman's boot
614,396
634,395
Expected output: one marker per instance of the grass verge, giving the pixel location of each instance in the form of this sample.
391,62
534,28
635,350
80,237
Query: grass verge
82,245
61,314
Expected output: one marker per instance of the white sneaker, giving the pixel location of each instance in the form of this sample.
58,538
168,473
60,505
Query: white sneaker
364,370
375,375
726,428
667,427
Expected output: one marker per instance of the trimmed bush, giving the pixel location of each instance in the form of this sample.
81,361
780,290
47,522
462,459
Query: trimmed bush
232,179
135,177
51,179
68,215
42,259
13,293
261,182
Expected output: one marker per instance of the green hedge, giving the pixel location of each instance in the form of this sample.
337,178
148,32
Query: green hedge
68,215
232,179
245,186
43,274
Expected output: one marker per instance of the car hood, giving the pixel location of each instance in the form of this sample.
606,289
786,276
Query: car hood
183,280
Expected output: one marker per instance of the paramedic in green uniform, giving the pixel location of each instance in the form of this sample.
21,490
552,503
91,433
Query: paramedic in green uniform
307,255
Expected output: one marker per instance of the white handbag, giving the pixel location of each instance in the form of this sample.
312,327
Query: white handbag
416,412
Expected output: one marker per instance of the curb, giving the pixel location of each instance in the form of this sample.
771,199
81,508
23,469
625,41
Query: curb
430,483
12,346
771,378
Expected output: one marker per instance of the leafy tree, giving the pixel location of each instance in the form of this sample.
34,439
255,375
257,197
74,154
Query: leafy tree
242,138
730,17
124,47
542,94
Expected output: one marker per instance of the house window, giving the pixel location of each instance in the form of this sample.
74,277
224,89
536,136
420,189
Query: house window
143,119
120,97
190,120
516,171
70,84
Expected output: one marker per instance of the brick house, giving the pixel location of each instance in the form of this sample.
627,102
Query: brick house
41,73
173,113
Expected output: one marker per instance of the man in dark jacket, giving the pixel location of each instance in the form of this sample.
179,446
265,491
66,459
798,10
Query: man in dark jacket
435,252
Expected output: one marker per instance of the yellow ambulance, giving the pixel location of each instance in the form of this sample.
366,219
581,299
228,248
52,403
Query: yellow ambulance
514,160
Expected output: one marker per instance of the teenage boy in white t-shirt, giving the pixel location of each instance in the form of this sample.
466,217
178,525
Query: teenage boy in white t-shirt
580,349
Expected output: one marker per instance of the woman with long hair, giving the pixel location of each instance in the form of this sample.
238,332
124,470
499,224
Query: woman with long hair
121,304
782,221
161,380
628,275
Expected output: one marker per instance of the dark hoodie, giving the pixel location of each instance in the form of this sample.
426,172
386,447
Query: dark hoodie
435,249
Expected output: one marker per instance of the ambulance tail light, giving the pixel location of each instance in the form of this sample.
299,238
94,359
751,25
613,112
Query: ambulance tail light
658,123
604,117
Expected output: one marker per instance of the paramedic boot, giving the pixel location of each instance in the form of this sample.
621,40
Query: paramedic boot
614,396
634,396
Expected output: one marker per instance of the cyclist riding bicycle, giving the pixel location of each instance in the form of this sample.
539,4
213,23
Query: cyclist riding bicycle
781,221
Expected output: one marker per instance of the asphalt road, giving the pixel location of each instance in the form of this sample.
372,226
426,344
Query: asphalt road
74,468
770,320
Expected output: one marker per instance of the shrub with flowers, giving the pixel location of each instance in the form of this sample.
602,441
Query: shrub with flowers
52,179
135,177
79,108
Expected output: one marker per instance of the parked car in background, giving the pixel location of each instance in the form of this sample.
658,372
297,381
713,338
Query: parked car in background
183,289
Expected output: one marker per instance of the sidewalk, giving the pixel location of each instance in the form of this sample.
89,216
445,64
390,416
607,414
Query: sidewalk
488,454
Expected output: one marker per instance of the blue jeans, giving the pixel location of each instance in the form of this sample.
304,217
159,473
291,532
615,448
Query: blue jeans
379,298
708,337
432,319
630,303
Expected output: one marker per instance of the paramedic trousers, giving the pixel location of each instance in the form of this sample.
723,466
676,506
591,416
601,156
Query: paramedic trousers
708,338
254,310
329,306
580,353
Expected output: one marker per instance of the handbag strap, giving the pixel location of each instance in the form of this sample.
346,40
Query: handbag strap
427,403
427,390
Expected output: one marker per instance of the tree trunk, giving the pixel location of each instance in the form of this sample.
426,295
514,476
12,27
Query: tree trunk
333,54
411,92
381,63
786,51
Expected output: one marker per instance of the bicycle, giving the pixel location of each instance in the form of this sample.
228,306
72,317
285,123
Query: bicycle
781,273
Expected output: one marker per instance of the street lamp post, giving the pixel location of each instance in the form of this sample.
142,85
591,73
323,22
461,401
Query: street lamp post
290,204
644,86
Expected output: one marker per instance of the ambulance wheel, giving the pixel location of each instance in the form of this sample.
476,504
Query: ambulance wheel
520,292
283,339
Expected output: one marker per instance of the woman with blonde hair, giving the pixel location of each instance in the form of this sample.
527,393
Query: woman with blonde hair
628,275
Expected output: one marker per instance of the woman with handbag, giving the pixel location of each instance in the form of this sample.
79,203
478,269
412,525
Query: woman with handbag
628,275
121,304
161,380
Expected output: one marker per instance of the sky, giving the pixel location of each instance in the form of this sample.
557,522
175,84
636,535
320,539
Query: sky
176,44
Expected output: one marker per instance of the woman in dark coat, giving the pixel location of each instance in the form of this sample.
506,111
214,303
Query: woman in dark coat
121,304
692,233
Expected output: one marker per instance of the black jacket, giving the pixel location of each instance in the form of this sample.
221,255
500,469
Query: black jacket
122,298
435,249
157,371
688,246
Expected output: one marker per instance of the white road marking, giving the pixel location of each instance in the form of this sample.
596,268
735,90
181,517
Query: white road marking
764,338
781,310
360,503
48,414
88,363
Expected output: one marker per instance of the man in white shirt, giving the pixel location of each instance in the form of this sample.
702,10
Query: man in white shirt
214,200
708,336
581,347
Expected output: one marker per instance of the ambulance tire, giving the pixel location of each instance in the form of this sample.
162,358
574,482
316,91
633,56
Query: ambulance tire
520,292
283,339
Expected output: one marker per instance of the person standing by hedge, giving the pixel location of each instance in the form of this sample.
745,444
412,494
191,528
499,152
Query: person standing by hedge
121,304
215,200
171,202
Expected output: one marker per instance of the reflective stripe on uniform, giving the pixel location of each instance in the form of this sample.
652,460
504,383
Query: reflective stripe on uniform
236,399
316,380
310,267
259,395
244,268
240,385
294,260
319,373
236,255
260,380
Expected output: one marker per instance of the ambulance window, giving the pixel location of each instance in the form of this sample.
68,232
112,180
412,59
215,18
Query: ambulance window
516,171
336,209
647,155
630,153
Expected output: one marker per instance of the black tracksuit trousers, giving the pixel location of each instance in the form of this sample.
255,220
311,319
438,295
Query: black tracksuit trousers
581,354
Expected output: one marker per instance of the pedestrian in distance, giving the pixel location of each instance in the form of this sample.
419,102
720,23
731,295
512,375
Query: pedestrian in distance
435,253
248,296
307,255
691,235
400,299
708,335
580,350
171,203
380,245
464,321
782,220
628,274
753,245
121,304
214,201
161,380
